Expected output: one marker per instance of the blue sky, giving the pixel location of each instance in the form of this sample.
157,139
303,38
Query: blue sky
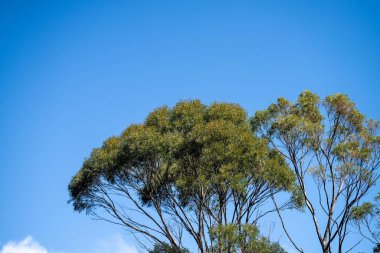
73,73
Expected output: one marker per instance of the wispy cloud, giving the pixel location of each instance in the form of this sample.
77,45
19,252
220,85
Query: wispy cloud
115,244
28,245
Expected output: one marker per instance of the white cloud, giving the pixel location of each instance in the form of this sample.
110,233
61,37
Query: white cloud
28,245
114,244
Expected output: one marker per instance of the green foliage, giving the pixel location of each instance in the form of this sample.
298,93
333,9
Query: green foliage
166,248
366,217
246,239
297,198
193,145
330,141
365,209
181,162
349,138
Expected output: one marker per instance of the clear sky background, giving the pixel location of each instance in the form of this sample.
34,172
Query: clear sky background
73,73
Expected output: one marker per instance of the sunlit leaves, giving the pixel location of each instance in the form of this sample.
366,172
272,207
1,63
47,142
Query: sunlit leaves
192,156
333,143
235,239
363,210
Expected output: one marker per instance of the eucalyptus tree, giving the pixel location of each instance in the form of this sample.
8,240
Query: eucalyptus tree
334,152
192,171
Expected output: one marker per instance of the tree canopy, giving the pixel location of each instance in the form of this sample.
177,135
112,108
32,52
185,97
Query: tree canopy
202,175
328,143
191,171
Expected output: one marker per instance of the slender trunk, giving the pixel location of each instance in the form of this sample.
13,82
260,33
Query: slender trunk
325,248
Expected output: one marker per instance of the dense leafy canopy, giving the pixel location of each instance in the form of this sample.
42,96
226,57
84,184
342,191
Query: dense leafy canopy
191,168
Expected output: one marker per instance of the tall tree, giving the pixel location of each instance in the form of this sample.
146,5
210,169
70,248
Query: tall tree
188,171
334,152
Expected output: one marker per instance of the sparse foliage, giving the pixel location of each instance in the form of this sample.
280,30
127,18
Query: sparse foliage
329,143
366,217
